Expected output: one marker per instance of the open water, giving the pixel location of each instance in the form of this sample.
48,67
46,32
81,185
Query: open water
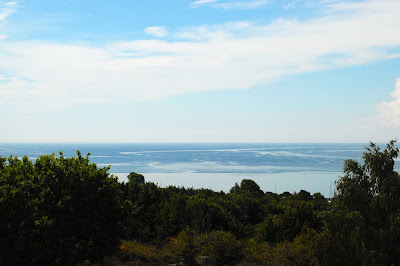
275,167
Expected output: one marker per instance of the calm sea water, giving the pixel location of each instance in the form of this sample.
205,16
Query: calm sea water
275,167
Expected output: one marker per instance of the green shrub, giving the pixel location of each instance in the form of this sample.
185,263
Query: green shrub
222,247
57,210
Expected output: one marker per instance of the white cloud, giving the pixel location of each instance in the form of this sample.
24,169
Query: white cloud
231,4
220,31
7,9
13,86
389,112
393,56
237,55
202,2
241,4
157,31
289,5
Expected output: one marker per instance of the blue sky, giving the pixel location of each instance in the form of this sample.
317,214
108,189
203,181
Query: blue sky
199,71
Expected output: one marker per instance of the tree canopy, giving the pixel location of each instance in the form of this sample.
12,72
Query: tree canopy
65,210
368,204
57,210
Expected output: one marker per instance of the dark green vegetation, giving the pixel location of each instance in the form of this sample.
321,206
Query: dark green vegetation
62,210
57,210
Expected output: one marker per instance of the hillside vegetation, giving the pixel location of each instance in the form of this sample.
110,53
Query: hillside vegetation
60,210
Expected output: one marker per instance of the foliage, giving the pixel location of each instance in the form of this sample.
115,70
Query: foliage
61,210
142,252
362,227
57,210
222,247
182,248
136,178
247,185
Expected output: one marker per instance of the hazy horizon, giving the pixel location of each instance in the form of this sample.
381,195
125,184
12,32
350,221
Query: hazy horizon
218,166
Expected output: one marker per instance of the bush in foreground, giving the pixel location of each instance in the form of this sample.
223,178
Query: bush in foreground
57,210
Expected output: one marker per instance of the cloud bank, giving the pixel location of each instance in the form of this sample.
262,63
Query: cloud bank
230,56
389,112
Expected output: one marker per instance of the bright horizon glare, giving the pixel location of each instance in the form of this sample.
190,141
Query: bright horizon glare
200,71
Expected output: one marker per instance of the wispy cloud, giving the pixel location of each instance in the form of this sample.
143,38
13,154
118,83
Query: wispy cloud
157,31
220,31
7,9
13,86
202,2
289,5
389,112
237,55
241,4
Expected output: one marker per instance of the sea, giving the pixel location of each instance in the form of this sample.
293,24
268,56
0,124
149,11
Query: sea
274,167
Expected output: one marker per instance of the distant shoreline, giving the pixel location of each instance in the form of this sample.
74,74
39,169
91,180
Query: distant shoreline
313,182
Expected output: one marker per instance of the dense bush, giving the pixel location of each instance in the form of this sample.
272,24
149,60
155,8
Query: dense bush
363,227
57,210
61,210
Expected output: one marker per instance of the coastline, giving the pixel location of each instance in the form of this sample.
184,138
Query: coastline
313,182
